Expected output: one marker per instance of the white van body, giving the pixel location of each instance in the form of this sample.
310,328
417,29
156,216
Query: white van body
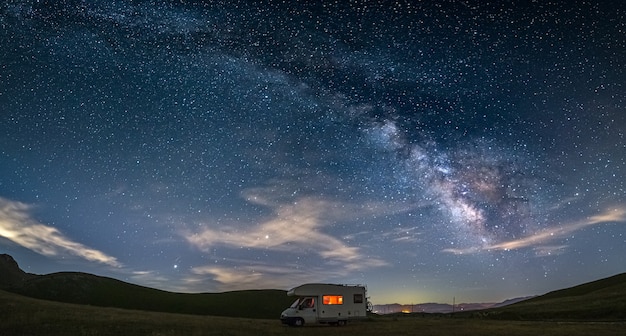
325,303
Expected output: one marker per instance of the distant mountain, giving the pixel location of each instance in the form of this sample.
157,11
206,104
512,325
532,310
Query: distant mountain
441,307
83,288
600,300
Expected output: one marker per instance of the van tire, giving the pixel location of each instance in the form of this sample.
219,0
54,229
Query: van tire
342,323
299,322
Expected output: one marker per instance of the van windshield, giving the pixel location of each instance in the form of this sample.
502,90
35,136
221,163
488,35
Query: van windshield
302,303
308,302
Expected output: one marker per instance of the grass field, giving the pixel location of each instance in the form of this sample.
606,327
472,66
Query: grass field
26,316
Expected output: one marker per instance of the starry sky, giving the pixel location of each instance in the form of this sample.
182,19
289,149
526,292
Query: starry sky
427,149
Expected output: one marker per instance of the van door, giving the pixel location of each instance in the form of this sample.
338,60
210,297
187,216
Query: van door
308,310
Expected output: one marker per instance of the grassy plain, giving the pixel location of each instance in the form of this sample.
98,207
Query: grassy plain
26,316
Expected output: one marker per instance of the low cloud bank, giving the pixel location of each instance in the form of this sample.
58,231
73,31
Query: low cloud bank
18,226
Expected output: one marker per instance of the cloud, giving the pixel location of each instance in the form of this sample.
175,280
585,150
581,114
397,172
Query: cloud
242,274
403,235
17,225
235,274
297,223
254,276
549,250
296,228
544,236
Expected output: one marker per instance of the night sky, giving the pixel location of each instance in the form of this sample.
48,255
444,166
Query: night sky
429,150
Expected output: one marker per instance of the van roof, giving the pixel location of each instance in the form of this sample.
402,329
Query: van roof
324,288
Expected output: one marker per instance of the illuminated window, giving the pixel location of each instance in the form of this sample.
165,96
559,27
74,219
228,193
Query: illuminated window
332,299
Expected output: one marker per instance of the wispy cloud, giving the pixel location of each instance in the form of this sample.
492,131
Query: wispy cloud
295,227
404,235
540,238
241,274
18,226
298,228
252,276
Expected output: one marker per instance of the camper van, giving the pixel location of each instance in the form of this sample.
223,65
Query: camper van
325,303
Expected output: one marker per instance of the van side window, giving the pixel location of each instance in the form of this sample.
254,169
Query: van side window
358,298
332,299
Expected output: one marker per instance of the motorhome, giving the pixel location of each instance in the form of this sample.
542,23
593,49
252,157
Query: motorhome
325,303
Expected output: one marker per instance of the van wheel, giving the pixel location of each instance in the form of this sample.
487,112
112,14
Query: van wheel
342,323
298,322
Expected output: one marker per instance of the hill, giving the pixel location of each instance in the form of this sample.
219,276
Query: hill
10,273
89,289
601,300
20,315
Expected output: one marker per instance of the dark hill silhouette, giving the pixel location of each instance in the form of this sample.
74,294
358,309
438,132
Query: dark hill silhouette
89,289
10,272
615,285
600,300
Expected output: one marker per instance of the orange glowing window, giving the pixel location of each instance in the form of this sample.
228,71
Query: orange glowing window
332,299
